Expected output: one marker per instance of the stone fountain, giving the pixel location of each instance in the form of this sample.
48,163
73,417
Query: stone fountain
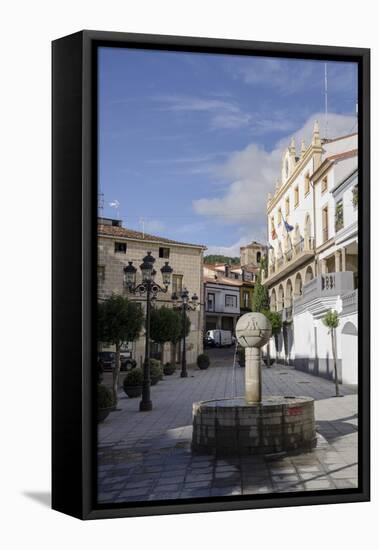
253,424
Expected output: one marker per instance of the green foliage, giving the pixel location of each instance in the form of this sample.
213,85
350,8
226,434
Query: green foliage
133,378
169,368
261,300
275,319
119,320
331,319
156,371
203,361
355,196
104,397
338,216
220,259
166,325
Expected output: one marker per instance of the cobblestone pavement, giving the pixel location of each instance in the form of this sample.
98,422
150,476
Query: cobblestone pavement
147,456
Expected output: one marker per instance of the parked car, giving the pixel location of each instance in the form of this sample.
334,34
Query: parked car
127,362
219,338
107,359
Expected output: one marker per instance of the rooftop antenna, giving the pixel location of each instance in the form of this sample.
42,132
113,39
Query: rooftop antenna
100,204
326,100
142,222
116,205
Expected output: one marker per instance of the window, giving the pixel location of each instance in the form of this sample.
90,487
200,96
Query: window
245,299
355,196
210,301
287,206
296,196
177,283
164,252
100,274
120,248
339,215
324,184
307,184
258,257
230,300
279,216
325,228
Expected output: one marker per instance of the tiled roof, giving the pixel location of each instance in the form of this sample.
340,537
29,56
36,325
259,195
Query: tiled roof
123,232
223,281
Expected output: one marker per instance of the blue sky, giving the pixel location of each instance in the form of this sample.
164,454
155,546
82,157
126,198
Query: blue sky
191,143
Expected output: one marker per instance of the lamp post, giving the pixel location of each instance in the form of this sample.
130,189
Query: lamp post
185,304
149,288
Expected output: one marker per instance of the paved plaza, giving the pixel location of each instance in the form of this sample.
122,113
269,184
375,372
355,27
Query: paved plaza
147,456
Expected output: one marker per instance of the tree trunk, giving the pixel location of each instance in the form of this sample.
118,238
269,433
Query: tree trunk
268,355
172,353
116,374
162,352
333,333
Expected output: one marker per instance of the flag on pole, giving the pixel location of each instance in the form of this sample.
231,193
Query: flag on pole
288,226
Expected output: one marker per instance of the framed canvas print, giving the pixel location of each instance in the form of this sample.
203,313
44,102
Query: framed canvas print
210,274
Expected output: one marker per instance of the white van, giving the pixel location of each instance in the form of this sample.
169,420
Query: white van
219,338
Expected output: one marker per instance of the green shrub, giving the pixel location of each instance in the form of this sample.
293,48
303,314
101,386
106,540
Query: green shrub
104,397
156,371
169,368
134,377
203,361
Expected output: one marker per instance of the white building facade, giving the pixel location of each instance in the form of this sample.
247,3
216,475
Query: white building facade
313,254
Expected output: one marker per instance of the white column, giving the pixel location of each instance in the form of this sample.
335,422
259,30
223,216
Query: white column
253,381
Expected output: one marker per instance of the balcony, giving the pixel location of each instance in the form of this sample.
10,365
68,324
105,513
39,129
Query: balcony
350,302
327,285
300,252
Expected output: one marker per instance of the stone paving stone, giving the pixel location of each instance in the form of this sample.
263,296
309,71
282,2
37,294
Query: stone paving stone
153,450
319,484
346,483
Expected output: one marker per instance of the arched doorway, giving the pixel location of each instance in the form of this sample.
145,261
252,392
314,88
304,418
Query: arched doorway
273,300
308,274
280,298
349,353
288,301
298,285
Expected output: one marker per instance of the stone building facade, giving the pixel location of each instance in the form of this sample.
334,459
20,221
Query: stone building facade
118,245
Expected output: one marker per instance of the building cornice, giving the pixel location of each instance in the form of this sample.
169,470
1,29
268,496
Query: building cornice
151,241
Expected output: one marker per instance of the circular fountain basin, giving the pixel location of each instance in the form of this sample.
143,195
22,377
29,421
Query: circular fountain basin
234,427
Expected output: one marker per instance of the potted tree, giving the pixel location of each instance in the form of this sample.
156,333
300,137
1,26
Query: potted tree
203,361
156,371
105,402
119,321
169,368
331,320
133,382
276,326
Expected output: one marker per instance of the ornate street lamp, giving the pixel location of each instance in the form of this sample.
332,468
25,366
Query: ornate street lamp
184,304
149,288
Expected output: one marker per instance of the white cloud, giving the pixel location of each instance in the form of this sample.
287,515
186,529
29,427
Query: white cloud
222,114
251,174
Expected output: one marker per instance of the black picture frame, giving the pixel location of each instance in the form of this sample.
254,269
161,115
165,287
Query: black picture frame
74,206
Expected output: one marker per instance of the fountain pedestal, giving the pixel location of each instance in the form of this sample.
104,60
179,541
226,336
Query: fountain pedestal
250,424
